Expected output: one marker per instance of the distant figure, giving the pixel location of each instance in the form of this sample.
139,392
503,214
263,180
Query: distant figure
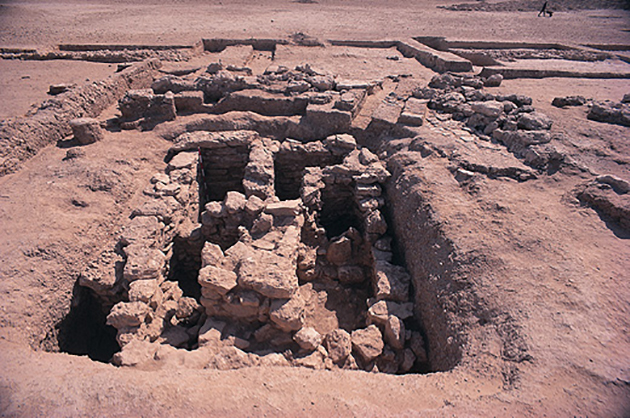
544,11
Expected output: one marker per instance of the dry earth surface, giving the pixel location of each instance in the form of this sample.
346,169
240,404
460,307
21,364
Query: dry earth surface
535,312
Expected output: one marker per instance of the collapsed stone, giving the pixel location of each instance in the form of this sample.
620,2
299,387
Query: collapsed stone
264,224
368,342
86,130
568,101
610,112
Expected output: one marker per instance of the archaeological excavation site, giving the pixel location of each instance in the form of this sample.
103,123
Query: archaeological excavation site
305,220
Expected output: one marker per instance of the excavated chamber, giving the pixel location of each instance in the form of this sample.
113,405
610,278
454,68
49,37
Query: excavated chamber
318,280
263,250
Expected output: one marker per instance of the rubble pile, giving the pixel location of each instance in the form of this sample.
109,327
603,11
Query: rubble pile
309,281
611,112
508,119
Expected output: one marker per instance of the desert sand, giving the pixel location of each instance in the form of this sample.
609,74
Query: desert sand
517,254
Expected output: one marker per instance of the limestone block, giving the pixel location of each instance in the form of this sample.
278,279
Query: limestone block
338,345
368,342
274,360
182,160
155,207
395,332
211,255
143,290
284,208
214,209
340,251
490,108
308,338
234,202
171,291
534,121
55,89
508,106
254,205
262,224
371,204
322,82
243,305
217,280
367,157
127,314
390,282
101,275
141,230
315,361
518,99
341,143
367,190
375,223
186,307
268,274
297,86
86,130
288,315
493,81
375,173
143,263
135,353
237,253
210,333
379,312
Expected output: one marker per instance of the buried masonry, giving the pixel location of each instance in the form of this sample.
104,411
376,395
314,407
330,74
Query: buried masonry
312,281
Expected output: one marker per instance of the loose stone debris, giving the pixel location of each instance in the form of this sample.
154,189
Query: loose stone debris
265,263
86,130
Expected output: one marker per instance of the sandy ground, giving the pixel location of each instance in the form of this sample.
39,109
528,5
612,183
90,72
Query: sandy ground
551,266
25,83
47,23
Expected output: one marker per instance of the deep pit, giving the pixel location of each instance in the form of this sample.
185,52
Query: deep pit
286,276
84,330
309,281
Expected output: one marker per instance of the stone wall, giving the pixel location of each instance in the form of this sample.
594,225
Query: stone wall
21,138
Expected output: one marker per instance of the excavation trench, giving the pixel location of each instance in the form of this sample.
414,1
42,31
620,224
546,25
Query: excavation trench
255,249
296,260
